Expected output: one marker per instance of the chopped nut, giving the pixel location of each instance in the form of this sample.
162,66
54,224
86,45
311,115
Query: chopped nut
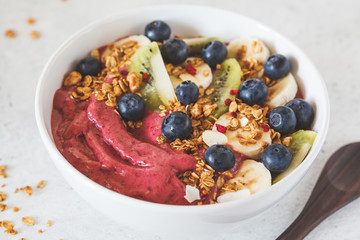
233,106
256,47
286,141
161,139
28,221
7,224
196,111
11,231
41,184
15,209
30,21
2,196
3,207
10,34
40,231
28,190
209,91
34,34
206,73
16,190
134,82
48,223
95,53
72,78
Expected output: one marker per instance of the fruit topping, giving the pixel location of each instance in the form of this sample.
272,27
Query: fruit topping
303,111
88,66
187,92
131,107
190,69
283,120
300,145
214,52
174,51
253,92
282,91
196,45
157,31
220,158
176,125
195,70
277,66
225,79
276,158
220,128
252,175
157,88
251,53
240,136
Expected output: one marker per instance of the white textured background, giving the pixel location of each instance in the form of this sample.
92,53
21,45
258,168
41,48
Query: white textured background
328,32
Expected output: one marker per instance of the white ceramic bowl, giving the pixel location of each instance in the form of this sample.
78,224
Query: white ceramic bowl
184,21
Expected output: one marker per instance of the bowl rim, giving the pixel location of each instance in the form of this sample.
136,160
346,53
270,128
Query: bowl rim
59,158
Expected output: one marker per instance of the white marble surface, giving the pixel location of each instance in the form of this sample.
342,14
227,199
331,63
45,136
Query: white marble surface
328,31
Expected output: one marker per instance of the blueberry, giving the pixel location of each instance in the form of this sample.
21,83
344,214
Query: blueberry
277,66
253,91
174,51
157,31
88,66
131,107
187,92
176,125
220,158
214,52
276,158
303,111
282,119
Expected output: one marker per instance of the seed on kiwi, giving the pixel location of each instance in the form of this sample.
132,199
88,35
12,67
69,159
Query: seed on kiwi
157,89
227,78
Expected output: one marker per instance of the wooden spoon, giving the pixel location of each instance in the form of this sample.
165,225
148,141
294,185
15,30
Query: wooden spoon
338,184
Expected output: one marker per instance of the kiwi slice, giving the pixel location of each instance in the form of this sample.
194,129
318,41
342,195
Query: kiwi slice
196,45
157,89
300,145
227,78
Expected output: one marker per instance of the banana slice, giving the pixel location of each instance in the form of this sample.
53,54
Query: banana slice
251,150
245,47
203,76
141,40
282,92
252,175
230,196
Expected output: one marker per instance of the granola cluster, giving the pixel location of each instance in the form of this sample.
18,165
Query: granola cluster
188,67
250,67
113,81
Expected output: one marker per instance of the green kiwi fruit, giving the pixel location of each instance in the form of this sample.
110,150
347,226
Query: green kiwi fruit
157,89
227,78
300,145
195,45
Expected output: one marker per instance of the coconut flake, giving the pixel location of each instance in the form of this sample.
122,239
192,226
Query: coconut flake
191,193
214,137
244,121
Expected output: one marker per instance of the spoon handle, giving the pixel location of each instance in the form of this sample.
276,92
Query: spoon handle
338,184
315,211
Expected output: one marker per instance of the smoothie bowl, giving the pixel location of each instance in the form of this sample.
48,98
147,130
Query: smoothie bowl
181,119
